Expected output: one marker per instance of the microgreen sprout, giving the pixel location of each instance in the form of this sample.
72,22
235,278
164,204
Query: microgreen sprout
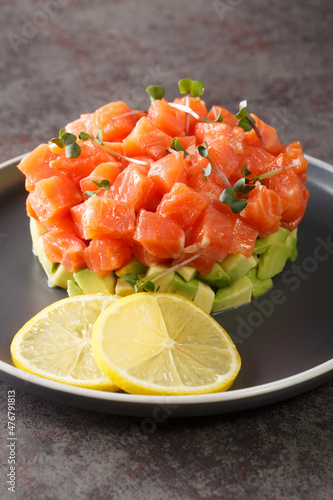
211,167
247,122
68,141
236,204
147,285
136,283
243,187
219,118
155,92
193,88
104,184
85,137
176,146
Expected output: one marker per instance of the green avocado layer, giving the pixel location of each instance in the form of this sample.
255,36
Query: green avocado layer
231,283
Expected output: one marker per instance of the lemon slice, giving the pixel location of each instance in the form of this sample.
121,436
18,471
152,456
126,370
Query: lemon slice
160,343
56,343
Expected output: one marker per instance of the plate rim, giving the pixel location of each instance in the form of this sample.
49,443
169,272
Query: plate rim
313,374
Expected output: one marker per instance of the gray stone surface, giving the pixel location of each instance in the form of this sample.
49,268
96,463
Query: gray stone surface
59,58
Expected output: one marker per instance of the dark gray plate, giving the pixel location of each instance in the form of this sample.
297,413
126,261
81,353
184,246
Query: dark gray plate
284,337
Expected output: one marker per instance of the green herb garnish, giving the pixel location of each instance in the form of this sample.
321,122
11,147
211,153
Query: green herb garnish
104,184
243,187
247,122
148,285
68,141
191,87
85,137
155,92
219,118
135,282
236,204
176,146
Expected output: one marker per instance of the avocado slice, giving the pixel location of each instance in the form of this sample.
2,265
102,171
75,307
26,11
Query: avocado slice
163,282
134,266
73,288
187,272
36,230
123,288
291,243
217,277
272,261
260,246
258,286
204,297
89,282
60,277
179,286
279,237
237,265
294,255
48,266
236,294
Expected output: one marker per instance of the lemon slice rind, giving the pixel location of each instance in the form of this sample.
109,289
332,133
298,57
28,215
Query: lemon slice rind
156,363
52,346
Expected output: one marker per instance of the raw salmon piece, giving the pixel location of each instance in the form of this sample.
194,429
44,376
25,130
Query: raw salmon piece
65,248
53,197
160,237
204,130
244,238
35,166
92,154
101,215
198,107
145,139
83,124
211,236
228,118
269,135
183,205
104,255
223,155
168,119
188,142
146,258
234,136
130,187
290,188
207,188
168,170
255,159
153,196
264,210
194,166
29,209
64,224
114,121
108,171
294,152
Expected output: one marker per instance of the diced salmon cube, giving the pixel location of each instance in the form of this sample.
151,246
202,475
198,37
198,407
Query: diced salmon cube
183,205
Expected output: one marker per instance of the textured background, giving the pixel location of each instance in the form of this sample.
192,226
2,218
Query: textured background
60,58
